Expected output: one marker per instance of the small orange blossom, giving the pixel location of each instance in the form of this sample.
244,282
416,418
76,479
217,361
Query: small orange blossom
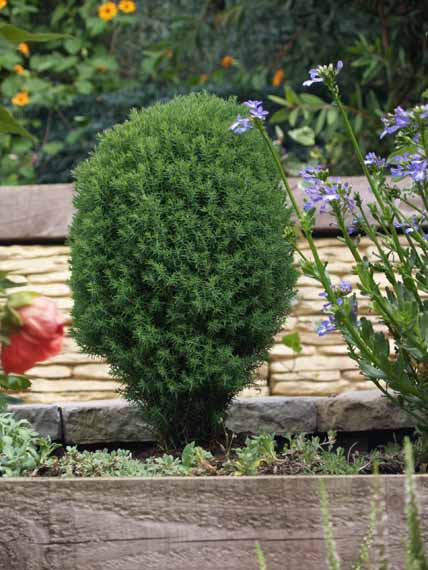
3,4
226,61
277,78
127,6
203,77
20,99
24,48
107,11
19,69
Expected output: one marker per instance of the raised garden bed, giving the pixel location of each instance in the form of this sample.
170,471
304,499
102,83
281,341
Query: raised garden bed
197,522
194,523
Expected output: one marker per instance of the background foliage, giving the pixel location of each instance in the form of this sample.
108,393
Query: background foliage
253,48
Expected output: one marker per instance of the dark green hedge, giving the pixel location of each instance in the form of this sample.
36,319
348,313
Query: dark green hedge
181,274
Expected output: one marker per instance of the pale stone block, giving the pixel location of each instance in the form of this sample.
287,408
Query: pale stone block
72,385
353,375
49,371
262,372
54,277
285,371
291,375
75,358
324,363
280,351
333,350
35,266
49,290
64,397
32,251
254,392
92,371
302,388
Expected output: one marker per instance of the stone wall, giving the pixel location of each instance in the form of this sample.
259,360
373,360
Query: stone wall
323,368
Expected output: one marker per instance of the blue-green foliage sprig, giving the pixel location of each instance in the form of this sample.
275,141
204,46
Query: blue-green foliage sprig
390,346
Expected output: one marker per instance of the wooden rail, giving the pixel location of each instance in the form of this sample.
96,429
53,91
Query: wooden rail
44,212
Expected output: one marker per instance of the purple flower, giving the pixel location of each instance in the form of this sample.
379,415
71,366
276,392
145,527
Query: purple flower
423,109
323,73
256,109
326,326
323,192
413,165
241,125
395,122
371,159
314,78
409,226
345,287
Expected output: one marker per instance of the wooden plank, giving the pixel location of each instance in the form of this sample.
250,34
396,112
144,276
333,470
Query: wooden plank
35,213
206,523
44,212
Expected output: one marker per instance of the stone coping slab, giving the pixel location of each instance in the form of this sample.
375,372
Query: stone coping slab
115,421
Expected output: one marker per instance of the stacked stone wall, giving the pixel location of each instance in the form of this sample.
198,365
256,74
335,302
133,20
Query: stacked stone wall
322,368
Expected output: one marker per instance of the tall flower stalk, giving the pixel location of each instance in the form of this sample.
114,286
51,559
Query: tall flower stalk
391,347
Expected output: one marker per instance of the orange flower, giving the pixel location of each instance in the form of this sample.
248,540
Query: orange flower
107,11
226,61
277,78
21,99
3,4
24,48
203,77
169,53
19,69
127,6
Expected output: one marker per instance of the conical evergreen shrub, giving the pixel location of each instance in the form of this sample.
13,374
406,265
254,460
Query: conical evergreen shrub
180,272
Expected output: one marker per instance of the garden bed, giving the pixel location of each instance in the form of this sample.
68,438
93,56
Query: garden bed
186,523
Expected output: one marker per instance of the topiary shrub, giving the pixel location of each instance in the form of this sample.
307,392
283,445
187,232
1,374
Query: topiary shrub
180,272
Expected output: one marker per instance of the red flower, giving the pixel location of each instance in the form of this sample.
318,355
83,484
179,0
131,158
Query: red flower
39,337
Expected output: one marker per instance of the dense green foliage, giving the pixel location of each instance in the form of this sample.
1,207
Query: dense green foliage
21,449
180,46
180,272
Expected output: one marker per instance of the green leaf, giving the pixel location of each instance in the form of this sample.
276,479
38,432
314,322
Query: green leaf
21,299
53,147
292,340
14,382
303,135
84,87
17,35
10,125
279,100
73,45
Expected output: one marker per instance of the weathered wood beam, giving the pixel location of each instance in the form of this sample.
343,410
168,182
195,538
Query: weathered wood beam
44,212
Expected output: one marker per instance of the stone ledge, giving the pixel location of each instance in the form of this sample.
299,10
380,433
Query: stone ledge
360,411
115,421
45,418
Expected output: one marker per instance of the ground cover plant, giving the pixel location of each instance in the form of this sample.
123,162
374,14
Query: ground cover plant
25,453
390,341
180,271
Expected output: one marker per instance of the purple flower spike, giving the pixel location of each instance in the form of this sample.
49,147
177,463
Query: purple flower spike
256,109
241,125
345,287
323,73
395,122
371,159
326,326
314,78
